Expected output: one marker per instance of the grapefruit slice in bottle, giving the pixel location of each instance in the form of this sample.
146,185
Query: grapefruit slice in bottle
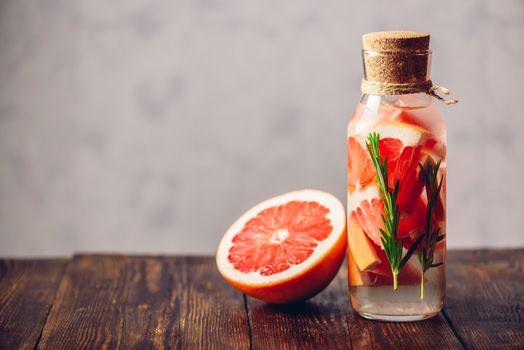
409,135
360,167
287,248
401,145
381,274
365,254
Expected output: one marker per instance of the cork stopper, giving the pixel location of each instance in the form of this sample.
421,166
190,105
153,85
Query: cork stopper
396,57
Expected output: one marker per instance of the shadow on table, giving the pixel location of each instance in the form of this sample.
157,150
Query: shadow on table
302,307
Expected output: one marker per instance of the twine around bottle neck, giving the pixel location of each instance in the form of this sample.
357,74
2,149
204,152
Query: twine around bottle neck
385,89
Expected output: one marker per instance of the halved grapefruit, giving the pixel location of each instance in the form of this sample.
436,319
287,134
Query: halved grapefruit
287,248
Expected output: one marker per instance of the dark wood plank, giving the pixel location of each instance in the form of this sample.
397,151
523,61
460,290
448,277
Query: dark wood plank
320,323
138,302
161,302
434,333
88,309
215,317
328,321
485,298
27,290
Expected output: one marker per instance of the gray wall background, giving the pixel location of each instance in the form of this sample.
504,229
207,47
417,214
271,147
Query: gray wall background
144,126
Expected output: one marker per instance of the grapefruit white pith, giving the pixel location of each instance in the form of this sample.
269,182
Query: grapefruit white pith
287,248
409,135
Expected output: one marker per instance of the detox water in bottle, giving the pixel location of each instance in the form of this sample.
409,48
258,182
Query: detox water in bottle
397,183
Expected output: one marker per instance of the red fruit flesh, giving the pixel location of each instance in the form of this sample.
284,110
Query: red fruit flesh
360,168
279,237
369,216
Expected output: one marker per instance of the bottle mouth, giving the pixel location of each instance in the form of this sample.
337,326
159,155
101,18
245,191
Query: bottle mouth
398,52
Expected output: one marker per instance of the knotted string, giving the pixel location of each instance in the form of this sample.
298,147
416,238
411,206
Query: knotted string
383,88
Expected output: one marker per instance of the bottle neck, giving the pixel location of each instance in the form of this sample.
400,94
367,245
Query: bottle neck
412,101
397,67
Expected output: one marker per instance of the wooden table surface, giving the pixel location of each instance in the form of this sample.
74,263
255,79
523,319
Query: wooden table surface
115,301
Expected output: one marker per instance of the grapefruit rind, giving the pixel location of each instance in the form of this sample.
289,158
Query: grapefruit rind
336,216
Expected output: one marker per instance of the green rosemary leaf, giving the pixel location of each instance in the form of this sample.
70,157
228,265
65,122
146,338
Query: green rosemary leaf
411,250
440,184
392,247
432,236
395,191
423,172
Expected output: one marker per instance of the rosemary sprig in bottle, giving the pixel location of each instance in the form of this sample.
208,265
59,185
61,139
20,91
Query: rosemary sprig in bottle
428,241
392,246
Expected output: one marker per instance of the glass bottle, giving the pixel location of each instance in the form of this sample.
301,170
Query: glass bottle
396,241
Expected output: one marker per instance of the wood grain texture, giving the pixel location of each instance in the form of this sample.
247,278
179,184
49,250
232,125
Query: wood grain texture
215,317
320,323
434,333
145,302
27,290
485,298
133,302
328,321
